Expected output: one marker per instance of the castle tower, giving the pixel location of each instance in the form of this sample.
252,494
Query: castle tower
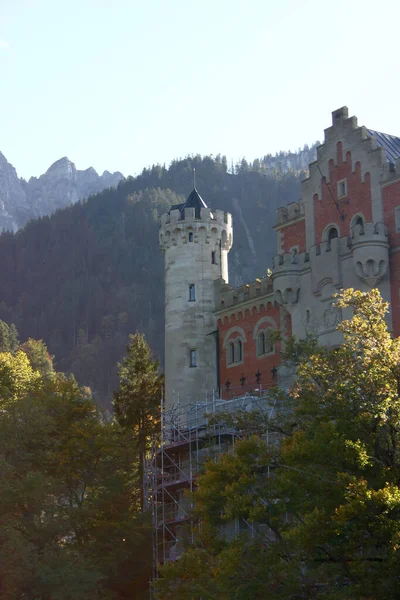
195,242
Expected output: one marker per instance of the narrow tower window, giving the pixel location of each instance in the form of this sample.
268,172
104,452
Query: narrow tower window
193,362
192,294
213,261
190,236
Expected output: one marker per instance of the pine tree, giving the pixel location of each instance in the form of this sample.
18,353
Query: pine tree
137,399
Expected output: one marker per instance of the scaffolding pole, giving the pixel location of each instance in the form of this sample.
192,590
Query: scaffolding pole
186,441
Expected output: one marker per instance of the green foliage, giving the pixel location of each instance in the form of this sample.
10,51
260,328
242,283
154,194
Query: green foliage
8,337
39,357
70,519
325,500
17,377
137,399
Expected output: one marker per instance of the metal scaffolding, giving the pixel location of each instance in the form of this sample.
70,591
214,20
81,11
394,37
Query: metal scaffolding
190,435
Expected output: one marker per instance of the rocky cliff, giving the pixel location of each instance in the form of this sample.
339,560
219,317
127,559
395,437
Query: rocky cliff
61,185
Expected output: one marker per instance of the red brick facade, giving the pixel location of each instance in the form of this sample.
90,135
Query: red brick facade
246,327
293,235
355,201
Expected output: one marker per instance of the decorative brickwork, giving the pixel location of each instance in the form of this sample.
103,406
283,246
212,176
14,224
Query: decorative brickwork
241,377
356,199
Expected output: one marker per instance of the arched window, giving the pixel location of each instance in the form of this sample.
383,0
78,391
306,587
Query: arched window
261,343
231,353
233,345
265,344
332,233
359,221
238,350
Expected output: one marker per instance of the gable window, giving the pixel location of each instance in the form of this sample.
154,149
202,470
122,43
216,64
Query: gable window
190,236
192,292
342,188
193,362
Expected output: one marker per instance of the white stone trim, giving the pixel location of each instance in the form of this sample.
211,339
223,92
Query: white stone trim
227,341
326,231
269,320
353,219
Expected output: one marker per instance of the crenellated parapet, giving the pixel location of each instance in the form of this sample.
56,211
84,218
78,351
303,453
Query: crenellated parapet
287,269
178,227
228,297
370,249
289,213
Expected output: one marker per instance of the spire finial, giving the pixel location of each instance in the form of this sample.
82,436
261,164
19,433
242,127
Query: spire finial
194,178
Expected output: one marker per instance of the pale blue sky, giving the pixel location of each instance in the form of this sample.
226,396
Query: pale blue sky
123,84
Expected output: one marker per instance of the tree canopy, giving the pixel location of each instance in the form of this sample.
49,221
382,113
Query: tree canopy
71,525
323,504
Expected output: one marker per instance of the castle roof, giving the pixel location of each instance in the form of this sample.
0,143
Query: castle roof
389,143
195,201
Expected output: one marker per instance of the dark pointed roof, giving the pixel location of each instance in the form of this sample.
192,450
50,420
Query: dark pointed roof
195,201
390,143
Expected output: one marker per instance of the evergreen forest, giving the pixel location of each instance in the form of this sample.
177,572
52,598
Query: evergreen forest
87,276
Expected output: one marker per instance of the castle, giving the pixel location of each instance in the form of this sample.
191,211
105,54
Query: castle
343,232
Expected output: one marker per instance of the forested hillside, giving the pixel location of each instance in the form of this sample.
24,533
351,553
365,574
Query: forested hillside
90,274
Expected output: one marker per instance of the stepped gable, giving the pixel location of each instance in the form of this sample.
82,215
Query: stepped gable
195,201
390,143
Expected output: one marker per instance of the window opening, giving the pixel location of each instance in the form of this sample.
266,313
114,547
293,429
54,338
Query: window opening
213,261
238,353
332,233
269,346
359,221
231,353
341,189
192,293
190,236
261,344
264,343
193,362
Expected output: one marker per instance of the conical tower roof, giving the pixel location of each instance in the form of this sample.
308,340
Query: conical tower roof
194,200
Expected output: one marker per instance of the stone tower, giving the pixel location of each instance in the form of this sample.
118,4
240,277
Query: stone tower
195,242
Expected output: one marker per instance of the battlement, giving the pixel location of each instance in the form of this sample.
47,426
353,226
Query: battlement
369,233
290,260
292,211
227,296
188,214
213,227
